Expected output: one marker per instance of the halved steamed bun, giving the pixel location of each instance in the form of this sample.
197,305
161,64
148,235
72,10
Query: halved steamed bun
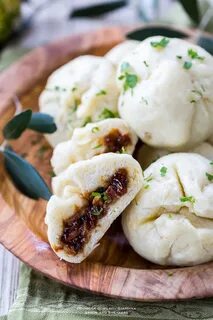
88,196
170,222
110,135
121,50
81,91
167,95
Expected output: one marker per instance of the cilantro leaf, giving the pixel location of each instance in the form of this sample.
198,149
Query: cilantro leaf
194,55
163,171
209,176
188,199
106,113
160,44
187,65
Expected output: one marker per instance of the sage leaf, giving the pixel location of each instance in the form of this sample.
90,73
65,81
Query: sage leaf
191,8
42,122
146,32
25,177
16,126
98,9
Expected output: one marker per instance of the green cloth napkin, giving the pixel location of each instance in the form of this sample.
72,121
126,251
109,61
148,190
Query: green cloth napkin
40,298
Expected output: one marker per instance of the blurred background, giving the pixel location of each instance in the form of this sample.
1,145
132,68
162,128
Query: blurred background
25,24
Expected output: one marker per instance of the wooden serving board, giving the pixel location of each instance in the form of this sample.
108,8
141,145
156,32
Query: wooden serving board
113,269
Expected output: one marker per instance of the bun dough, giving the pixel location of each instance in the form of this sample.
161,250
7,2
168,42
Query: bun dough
162,228
147,155
121,50
70,188
88,142
77,93
169,106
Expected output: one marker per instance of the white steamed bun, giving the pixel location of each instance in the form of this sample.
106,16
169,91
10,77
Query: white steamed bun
77,194
83,90
110,135
167,95
170,222
121,50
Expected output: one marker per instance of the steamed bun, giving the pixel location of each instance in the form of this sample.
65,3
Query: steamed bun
83,90
170,222
110,135
146,154
88,196
121,50
167,95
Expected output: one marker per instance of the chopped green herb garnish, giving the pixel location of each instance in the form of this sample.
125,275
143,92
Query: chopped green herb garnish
98,146
130,79
209,176
194,55
123,150
211,163
74,89
198,92
170,216
125,66
100,195
101,93
179,57
149,178
87,120
146,64
192,101
106,113
188,199
163,171
96,211
187,65
95,129
145,100
96,194
146,186
160,44
56,88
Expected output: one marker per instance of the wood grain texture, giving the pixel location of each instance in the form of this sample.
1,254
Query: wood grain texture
113,268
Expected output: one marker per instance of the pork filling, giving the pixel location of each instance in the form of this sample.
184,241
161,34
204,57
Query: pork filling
78,228
115,141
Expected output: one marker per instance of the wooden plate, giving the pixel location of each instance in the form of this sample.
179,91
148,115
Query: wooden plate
114,269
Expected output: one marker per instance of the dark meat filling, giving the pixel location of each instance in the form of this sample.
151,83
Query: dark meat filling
77,229
115,141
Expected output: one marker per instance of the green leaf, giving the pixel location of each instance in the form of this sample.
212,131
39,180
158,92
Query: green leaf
42,122
106,113
187,199
192,9
146,32
16,126
206,43
209,176
187,65
25,177
96,10
163,171
160,44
